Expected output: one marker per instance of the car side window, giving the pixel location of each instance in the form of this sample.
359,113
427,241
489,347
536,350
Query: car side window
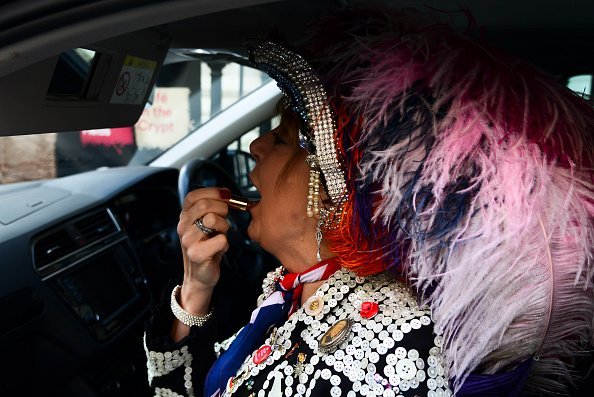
236,158
581,85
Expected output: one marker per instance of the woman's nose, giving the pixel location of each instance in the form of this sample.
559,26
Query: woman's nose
256,147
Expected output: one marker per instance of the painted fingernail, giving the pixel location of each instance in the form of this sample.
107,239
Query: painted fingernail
225,194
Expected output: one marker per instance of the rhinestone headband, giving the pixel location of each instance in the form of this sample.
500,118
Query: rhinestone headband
308,99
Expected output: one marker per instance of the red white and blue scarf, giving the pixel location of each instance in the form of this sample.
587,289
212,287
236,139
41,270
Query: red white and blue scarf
275,310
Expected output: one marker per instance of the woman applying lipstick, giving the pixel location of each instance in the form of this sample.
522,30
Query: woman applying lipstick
400,173
283,191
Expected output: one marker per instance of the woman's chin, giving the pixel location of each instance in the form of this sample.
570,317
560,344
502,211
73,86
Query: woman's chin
250,232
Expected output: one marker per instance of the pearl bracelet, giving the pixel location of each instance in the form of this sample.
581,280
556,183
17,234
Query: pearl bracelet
182,315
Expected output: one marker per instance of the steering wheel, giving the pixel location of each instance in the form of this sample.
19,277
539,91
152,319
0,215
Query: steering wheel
198,173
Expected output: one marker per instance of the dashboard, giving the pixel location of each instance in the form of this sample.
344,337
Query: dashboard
82,259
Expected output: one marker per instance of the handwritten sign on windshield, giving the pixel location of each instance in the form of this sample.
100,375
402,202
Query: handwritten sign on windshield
165,121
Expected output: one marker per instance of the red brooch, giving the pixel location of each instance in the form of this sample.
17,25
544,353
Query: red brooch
369,309
262,354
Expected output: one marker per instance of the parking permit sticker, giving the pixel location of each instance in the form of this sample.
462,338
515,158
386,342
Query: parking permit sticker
134,80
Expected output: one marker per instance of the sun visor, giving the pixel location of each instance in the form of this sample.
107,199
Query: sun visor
103,85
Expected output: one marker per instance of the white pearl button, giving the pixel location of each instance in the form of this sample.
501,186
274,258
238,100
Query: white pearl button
413,354
389,370
432,372
378,390
432,361
391,359
389,343
420,363
394,380
404,385
437,341
421,375
406,369
389,393
335,380
400,352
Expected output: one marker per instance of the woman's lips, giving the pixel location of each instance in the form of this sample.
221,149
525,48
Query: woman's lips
253,204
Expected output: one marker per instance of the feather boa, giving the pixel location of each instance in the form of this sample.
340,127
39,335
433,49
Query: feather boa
478,169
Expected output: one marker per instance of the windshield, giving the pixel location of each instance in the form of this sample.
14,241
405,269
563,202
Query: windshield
187,95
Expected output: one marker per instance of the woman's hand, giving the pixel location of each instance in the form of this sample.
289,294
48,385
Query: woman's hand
202,253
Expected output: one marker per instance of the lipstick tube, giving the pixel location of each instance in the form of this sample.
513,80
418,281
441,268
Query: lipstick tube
240,203
237,202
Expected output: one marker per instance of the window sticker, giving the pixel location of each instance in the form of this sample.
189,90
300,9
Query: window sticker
133,81
114,137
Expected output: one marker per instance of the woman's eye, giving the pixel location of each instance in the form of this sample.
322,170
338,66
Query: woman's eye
277,139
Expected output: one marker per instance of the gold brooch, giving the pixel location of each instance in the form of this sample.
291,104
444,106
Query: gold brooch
314,305
337,334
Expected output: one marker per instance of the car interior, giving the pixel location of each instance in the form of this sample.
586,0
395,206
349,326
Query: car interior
87,252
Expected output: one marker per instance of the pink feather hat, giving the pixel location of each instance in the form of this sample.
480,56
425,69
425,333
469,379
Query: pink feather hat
474,168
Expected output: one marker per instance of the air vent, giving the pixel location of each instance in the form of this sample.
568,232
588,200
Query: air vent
94,228
73,236
54,246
